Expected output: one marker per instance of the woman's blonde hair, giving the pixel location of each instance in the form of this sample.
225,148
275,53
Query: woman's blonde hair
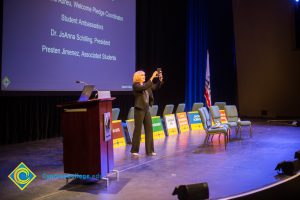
137,76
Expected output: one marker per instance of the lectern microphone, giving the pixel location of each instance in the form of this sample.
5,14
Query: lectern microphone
97,91
81,82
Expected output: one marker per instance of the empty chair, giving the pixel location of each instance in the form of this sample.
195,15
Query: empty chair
216,118
130,113
220,105
207,117
215,114
212,130
196,106
209,121
153,110
180,108
115,113
232,116
168,109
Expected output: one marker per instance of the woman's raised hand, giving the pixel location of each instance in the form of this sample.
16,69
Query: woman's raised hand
154,75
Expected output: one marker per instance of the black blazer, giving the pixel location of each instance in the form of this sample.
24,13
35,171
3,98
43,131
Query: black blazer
138,91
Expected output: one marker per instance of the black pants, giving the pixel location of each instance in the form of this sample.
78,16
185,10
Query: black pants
142,117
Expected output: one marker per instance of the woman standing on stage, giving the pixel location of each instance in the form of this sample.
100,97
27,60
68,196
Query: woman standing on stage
143,99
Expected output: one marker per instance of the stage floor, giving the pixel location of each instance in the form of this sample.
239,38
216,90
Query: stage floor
246,164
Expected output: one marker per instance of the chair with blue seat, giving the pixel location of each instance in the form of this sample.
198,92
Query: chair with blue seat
212,130
216,118
206,113
168,109
127,132
180,108
197,105
210,119
232,116
115,113
180,118
220,104
130,113
215,114
153,110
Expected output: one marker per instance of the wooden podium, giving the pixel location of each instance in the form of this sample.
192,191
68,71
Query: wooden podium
85,150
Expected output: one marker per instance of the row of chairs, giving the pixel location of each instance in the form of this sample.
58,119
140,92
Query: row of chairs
154,109
232,116
211,120
219,128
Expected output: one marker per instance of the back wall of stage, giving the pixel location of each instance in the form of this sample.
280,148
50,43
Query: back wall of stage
267,59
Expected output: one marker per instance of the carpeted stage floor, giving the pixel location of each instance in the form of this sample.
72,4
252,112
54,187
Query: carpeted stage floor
246,164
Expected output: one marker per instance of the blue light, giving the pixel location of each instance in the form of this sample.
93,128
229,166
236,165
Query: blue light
297,1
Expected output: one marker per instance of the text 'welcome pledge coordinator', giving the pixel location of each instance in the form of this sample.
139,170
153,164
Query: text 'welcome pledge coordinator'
47,44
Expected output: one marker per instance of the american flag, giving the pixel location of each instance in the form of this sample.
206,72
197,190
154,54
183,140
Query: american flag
207,83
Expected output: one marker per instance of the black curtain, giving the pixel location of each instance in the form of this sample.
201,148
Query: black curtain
297,23
161,42
26,118
221,45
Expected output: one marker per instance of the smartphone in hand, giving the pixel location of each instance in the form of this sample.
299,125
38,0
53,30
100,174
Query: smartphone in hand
159,70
